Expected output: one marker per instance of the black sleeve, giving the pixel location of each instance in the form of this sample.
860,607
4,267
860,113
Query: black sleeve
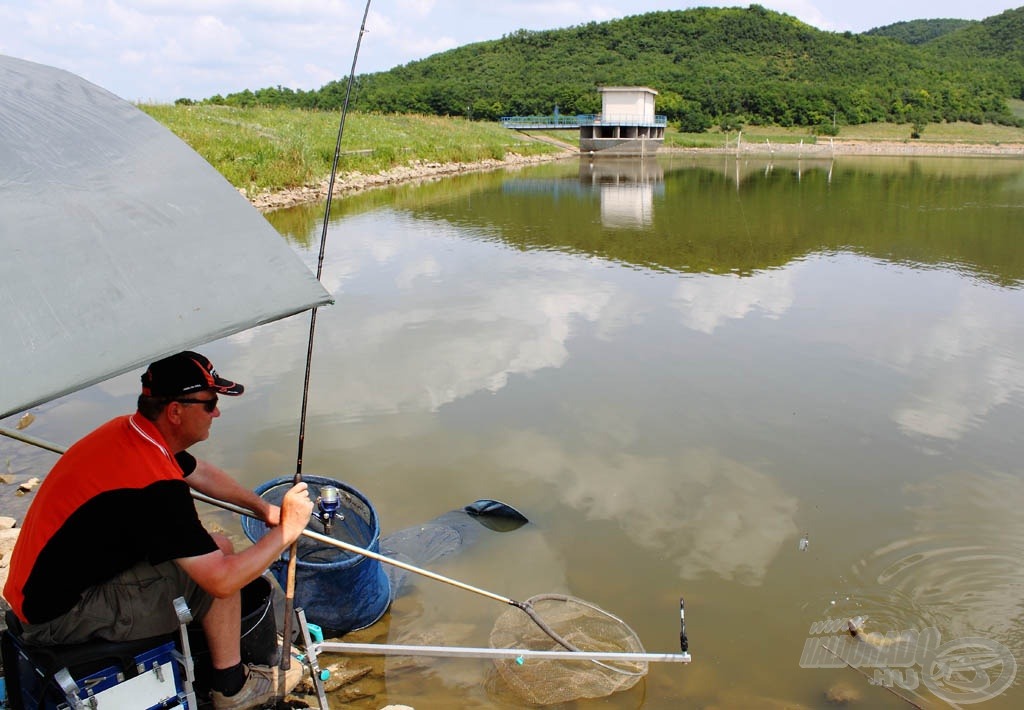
186,462
175,528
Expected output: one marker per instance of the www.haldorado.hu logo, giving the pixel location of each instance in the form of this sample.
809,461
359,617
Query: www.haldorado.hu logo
962,671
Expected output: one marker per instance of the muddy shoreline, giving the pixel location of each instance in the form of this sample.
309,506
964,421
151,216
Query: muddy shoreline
420,171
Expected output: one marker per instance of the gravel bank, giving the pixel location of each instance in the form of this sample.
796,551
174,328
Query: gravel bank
415,171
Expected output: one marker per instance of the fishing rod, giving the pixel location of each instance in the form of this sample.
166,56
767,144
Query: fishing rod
289,600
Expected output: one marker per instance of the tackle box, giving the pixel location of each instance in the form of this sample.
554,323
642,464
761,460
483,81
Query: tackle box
139,679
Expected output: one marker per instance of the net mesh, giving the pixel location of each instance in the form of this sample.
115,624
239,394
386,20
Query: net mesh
583,625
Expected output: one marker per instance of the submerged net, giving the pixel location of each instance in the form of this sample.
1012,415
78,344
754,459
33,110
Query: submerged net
583,625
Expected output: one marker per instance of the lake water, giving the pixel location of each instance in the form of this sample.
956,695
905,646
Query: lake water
791,392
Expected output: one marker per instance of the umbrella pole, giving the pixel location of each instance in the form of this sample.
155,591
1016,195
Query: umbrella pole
32,441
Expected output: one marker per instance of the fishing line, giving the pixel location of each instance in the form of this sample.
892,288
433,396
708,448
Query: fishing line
290,585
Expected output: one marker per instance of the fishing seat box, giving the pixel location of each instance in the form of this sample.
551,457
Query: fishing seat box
142,675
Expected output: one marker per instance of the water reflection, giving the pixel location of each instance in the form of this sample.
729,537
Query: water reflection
777,212
705,302
967,364
957,342
702,511
675,379
627,187
742,170
463,336
749,249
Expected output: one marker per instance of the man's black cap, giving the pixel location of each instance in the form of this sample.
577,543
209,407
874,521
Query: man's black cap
185,373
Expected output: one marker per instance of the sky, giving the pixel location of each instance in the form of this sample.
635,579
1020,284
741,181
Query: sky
161,50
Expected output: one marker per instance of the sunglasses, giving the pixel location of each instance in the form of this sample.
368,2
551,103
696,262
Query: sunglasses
208,404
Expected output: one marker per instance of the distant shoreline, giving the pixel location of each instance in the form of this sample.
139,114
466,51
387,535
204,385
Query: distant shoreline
880,148
419,171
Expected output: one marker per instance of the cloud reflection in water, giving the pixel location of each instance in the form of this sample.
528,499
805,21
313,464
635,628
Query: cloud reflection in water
706,512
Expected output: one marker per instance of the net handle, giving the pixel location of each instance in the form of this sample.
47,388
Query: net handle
384,649
527,607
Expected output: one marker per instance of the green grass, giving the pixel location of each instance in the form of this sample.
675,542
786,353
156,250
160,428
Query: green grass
1016,107
276,148
754,134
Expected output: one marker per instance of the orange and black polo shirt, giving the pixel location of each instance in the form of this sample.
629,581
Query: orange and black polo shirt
116,498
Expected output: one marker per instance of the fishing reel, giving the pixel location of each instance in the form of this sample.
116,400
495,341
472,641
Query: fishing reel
327,505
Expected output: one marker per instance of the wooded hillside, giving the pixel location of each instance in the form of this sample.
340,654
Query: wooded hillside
919,31
710,67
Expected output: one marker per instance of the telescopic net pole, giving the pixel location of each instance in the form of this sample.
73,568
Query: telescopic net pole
289,601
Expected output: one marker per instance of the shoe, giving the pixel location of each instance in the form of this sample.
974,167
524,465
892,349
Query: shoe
261,686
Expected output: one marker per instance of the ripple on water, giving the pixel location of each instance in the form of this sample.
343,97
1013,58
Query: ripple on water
963,573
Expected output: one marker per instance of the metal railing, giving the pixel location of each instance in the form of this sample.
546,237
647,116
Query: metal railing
541,122
627,119
521,122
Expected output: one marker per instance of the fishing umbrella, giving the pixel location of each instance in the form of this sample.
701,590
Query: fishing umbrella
119,244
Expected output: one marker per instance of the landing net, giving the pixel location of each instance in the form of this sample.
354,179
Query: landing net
584,627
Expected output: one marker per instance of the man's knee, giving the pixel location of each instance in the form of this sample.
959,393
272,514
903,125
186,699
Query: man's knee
223,543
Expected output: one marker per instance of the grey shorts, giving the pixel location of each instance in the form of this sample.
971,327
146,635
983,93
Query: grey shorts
136,604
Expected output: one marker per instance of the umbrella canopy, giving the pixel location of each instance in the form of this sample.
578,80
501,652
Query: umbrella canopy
118,243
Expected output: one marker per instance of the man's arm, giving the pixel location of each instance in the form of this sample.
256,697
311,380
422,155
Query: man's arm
216,483
223,574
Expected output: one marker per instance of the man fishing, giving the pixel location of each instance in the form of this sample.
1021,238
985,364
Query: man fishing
113,536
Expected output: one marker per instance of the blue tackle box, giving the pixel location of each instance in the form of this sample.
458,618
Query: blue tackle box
146,680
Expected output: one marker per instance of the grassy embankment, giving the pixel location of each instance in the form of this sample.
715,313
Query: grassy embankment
274,148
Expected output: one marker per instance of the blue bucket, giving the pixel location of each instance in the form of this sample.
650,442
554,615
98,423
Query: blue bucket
339,591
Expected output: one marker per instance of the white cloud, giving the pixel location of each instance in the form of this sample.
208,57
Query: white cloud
419,8
966,365
956,345
707,513
461,338
707,301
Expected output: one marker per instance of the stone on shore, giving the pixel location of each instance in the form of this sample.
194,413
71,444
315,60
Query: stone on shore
842,693
29,485
8,536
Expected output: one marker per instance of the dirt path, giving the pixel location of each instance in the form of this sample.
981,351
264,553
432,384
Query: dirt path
550,140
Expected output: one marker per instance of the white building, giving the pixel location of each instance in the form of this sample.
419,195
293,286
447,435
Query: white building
627,124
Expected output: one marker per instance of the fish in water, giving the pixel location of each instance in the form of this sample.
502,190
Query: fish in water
856,628
805,542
